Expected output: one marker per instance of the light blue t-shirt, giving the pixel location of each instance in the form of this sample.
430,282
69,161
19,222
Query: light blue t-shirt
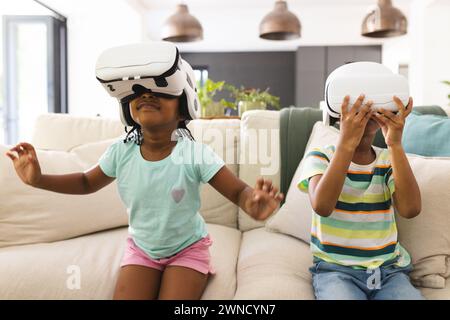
162,197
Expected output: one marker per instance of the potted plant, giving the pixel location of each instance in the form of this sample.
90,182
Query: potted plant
250,99
206,93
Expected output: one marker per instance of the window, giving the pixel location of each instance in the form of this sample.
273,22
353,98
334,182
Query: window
34,73
201,74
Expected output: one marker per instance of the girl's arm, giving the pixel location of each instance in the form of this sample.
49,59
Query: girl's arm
324,190
259,203
27,167
407,198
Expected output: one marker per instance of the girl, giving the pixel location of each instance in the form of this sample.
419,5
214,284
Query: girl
167,254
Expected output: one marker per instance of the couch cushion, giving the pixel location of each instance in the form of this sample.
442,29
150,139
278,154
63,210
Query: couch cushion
42,271
437,294
273,266
260,154
427,237
30,215
224,252
427,135
223,137
294,216
62,132
296,125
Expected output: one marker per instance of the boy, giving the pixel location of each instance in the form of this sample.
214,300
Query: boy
353,188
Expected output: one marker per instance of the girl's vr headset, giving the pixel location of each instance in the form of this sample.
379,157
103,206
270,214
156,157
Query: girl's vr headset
374,80
128,71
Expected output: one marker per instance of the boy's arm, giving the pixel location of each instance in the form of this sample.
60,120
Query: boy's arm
324,190
407,193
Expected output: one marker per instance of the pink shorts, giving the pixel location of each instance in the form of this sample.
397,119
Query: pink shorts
196,257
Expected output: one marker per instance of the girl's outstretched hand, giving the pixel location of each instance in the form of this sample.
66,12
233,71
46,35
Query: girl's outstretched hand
25,163
264,200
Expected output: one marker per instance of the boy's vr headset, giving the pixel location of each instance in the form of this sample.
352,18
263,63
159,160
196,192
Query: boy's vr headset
128,71
374,80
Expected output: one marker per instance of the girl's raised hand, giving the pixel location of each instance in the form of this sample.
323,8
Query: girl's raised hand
264,200
25,163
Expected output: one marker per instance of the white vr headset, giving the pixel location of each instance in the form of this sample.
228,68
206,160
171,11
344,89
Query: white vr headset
374,80
128,71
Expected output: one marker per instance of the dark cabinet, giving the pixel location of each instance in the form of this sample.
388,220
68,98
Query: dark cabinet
314,64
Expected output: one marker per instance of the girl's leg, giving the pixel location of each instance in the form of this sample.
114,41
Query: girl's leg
137,283
181,283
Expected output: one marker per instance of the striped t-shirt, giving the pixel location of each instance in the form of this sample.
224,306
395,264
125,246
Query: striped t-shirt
361,231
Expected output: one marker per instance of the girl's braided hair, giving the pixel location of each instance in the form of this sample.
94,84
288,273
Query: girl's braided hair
135,134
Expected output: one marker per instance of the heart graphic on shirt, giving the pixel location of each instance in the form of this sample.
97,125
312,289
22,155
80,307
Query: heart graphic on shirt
178,194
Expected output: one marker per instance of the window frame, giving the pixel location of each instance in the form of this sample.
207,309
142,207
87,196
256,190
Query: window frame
57,82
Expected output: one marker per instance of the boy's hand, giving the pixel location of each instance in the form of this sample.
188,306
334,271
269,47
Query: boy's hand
353,122
264,200
26,163
392,124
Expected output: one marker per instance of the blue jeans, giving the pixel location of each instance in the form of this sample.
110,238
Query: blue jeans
388,282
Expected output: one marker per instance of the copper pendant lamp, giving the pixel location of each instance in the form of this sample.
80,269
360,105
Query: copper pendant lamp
384,21
280,24
182,26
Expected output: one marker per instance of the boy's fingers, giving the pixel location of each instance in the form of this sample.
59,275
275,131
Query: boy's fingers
388,114
378,118
344,106
399,103
364,111
409,107
368,116
386,119
357,104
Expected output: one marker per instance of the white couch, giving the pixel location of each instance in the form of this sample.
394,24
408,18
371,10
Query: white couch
40,253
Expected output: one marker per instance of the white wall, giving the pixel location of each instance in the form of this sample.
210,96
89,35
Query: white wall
426,49
94,26
436,53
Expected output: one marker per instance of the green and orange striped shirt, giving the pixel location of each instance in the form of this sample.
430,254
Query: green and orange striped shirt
361,231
